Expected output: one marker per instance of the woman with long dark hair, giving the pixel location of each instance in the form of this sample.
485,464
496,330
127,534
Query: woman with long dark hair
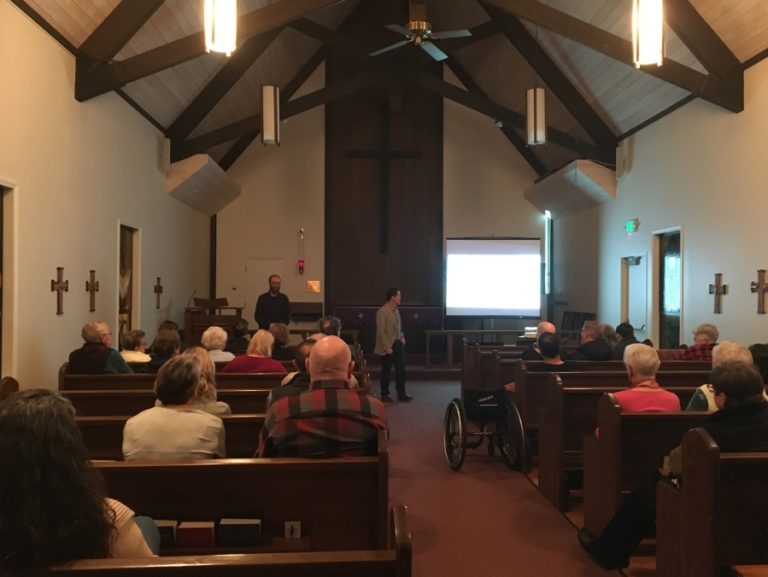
53,506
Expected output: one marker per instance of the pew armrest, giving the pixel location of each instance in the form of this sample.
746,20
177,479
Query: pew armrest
401,540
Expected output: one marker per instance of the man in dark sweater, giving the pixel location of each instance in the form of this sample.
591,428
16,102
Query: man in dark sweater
593,346
272,306
626,334
96,356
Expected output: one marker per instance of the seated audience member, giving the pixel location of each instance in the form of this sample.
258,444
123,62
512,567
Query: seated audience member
330,326
175,429
760,358
134,345
296,381
703,398
54,504
626,334
532,353
329,419
280,350
740,424
238,340
593,345
205,395
258,358
96,357
166,345
610,336
644,393
549,347
704,340
213,340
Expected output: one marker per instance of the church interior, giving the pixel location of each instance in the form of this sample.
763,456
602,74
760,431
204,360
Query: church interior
137,173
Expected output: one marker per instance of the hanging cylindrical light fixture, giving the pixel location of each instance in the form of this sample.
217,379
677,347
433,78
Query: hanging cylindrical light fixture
536,121
220,25
647,32
270,114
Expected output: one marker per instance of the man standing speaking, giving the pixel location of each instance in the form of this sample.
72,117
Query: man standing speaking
389,346
272,306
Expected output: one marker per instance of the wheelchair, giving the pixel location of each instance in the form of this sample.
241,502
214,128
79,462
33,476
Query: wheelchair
493,416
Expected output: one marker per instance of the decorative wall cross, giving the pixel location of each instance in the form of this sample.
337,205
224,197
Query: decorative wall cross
92,286
158,292
718,289
384,154
760,287
60,286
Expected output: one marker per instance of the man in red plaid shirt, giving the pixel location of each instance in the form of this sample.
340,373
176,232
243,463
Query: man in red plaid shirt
329,419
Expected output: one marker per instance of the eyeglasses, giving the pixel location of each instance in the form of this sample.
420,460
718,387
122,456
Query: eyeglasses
714,391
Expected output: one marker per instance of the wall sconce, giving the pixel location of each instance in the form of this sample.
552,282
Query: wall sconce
647,32
536,121
220,18
300,262
270,114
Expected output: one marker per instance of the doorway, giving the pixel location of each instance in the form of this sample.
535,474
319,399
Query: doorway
670,271
634,293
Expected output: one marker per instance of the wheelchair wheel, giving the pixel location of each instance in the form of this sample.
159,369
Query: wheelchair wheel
514,448
455,434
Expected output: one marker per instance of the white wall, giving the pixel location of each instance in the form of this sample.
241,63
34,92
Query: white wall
283,190
76,172
701,168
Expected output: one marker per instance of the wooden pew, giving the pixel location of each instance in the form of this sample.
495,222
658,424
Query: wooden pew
531,390
8,386
73,382
477,364
719,515
391,561
627,453
570,413
103,436
342,503
109,402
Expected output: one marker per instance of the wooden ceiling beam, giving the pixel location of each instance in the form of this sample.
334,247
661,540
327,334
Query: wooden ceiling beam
512,135
495,111
118,28
108,76
553,77
331,38
480,32
707,87
237,65
701,39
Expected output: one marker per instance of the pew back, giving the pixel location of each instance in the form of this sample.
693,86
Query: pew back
626,454
341,503
131,402
719,515
392,561
103,436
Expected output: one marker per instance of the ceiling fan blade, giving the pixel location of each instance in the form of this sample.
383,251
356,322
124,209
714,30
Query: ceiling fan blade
452,34
399,29
390,47
434,51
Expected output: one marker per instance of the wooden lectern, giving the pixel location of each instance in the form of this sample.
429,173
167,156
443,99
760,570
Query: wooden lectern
206,313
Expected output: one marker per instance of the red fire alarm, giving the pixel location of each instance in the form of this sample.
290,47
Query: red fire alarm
301,266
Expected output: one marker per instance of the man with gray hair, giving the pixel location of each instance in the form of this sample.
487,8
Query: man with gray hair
96,356
329,419
703,398
593,346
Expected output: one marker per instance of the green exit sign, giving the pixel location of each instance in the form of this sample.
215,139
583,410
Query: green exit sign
632,226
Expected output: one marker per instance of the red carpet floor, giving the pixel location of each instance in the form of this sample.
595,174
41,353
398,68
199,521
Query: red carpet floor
485,520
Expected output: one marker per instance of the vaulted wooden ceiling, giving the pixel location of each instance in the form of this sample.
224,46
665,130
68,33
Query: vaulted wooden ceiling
151,53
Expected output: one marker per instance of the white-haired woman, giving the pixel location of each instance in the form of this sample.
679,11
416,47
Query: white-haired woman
214,340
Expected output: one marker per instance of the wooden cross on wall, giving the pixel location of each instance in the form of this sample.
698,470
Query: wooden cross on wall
92,286
60,286
718,289
760,287
384,154
158,292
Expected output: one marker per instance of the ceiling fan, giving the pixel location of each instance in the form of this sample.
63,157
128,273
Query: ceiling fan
418,31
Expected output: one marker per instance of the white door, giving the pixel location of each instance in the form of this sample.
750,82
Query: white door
635,293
